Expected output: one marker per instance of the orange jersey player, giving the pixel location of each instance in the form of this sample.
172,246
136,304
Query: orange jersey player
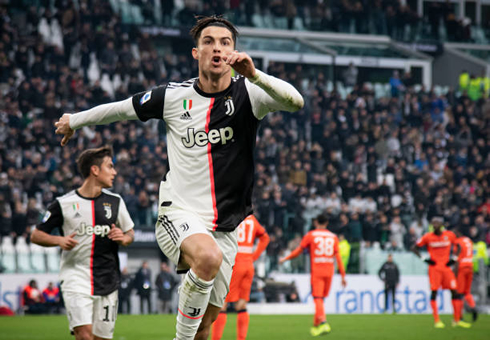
464,249
439,243
243,272
323,246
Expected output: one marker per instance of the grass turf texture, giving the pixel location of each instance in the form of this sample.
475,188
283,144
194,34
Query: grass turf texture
262,327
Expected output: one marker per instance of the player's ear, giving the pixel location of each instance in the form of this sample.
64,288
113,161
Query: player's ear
194,53
94,170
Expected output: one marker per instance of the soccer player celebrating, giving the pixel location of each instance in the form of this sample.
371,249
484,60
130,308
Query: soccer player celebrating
92,222
243,273
464,249
212,124
323,247
438,245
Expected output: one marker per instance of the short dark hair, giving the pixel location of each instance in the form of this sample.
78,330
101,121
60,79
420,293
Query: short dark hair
322,219
214,20
92,157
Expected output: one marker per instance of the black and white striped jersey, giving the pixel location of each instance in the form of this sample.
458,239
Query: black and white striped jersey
92,266
210,142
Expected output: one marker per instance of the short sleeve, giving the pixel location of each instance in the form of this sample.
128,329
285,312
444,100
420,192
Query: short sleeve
124,220
53,218
259,230
150,104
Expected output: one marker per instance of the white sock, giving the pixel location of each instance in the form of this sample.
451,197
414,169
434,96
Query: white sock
193,300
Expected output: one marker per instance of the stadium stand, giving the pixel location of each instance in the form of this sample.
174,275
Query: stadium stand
410,157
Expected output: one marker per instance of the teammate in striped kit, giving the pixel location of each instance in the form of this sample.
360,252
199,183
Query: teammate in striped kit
92,222
212,124
243,273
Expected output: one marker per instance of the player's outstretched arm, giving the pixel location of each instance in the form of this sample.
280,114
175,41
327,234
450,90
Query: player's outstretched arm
99,115
295,253
47,240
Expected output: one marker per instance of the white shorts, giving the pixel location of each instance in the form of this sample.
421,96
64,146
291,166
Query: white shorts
98,311
175,225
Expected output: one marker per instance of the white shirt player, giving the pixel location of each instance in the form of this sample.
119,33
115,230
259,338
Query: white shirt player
91,267
210,139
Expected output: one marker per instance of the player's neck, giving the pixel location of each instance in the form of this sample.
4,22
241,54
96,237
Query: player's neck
210,84
90,189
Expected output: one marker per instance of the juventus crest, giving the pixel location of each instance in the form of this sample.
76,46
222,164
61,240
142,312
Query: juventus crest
108,211
230,107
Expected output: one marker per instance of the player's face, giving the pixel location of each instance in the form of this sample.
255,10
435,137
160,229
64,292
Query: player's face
106,173
214,43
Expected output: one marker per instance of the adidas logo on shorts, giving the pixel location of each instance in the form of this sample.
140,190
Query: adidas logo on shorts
186,116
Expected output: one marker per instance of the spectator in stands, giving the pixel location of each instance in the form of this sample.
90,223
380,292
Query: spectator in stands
125,289
142,283
350,75
165,283
32,298
390,275
52,300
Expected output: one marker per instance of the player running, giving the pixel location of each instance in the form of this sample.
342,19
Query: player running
464,269
323,246
211,124
92,222
243,272
438,245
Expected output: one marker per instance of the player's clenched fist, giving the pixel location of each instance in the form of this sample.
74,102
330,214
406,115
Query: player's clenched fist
68,242
241,62
63,128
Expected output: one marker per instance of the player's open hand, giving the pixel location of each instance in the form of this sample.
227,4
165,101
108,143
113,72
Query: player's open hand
281,261
68,242
63,128
241,62
344,282
116,234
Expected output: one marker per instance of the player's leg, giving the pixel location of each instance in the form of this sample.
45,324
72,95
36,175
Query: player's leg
387,291
220,323
243,318
467,293
79,310
204,257
393,296
184,239
435,279
228,245
324,326
83,332
105,315
317,291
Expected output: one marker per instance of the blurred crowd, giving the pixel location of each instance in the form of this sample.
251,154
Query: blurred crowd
398,19
380,168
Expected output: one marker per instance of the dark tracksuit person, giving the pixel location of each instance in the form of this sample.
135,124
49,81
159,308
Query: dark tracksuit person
391,277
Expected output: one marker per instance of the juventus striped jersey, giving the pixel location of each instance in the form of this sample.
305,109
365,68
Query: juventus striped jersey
92,266
210,140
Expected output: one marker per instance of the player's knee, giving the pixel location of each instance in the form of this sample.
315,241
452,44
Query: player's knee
208,263
433,295
83,334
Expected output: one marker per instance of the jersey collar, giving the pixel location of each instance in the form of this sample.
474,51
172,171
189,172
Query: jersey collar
210,95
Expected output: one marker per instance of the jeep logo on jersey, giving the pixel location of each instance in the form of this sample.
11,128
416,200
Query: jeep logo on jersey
201,138
230,107
100,230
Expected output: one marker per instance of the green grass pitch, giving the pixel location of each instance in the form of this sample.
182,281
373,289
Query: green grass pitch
262,327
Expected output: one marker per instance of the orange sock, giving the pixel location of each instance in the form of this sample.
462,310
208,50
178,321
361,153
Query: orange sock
319,311
457,309
469,300
433,304
219,326
243,319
